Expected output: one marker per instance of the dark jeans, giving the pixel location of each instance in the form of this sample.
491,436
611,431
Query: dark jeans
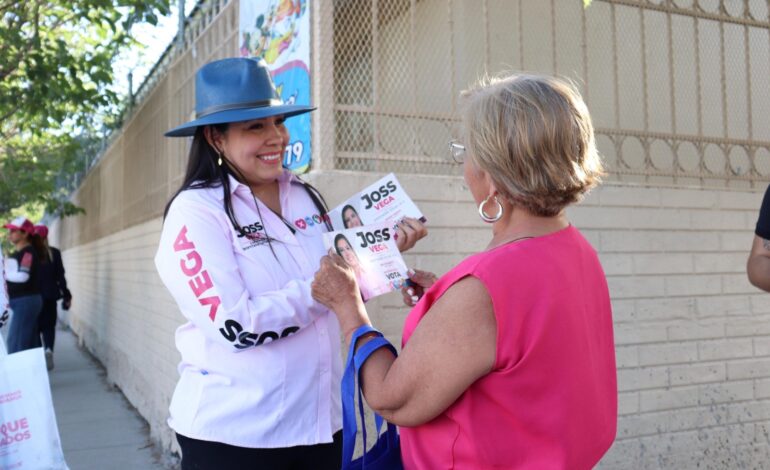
23,332
206,455
47,323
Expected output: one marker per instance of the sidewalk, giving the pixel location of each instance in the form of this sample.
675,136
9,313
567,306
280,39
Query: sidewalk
99,429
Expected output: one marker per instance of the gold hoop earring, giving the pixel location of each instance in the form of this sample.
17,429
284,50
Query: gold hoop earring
490,219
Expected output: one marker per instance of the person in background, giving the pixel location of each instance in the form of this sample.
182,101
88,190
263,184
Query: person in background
5,313
508,360
21,271
260,362
53,286
758,265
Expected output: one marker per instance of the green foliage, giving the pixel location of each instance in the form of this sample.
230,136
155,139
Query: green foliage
55,76
31,167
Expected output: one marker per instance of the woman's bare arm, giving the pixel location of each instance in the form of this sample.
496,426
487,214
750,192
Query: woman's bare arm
452,347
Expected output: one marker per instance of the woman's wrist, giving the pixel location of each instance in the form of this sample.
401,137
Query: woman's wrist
364,338
350,328
352,315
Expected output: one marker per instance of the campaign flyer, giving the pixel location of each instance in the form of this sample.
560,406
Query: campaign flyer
384,200
372,253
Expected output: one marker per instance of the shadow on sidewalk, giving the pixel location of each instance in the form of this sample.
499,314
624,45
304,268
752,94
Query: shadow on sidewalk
99,428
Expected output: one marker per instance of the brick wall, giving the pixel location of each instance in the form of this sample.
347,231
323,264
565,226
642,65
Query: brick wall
691,332
692,336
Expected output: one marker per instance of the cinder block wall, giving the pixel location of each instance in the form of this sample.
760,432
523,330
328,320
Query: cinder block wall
691,333
692,336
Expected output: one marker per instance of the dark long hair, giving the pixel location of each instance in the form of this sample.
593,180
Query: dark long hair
204,172
41,248
346,208
337,239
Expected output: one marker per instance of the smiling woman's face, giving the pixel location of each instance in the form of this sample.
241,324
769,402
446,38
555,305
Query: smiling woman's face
346,251
255,148
350,218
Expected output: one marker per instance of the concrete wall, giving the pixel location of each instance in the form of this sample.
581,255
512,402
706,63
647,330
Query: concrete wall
692,335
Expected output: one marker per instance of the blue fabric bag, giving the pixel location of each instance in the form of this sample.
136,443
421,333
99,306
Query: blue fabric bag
386,453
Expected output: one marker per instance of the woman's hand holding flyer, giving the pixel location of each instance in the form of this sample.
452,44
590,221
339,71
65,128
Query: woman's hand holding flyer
372,254
419,281
372,228
336,287
409,231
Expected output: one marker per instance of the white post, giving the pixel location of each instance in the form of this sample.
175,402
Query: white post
322,72
180,29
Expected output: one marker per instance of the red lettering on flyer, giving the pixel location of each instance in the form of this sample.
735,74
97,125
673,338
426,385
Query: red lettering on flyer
384,202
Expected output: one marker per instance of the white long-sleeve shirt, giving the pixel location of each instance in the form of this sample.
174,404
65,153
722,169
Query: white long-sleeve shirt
15,273
261,364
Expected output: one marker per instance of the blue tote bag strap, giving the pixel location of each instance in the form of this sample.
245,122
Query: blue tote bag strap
360,358
349,426
355,361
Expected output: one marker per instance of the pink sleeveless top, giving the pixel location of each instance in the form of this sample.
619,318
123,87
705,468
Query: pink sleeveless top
550,401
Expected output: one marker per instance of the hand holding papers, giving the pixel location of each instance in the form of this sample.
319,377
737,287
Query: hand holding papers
367,227
372,253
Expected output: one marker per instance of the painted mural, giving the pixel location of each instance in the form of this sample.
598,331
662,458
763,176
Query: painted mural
279,32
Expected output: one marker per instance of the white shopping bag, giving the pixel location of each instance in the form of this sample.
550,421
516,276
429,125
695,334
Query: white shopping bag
29,437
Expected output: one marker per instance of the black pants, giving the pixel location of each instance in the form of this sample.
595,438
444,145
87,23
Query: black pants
47,323
207,455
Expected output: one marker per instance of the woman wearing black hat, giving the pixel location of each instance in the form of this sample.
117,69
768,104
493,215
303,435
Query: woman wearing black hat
261,367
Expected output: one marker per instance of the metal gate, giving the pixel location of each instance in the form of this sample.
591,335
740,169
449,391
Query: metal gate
679,89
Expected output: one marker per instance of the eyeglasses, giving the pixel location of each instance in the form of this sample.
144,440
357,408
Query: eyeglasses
457,151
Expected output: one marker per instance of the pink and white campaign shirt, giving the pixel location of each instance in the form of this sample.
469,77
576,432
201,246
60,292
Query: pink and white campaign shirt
261,363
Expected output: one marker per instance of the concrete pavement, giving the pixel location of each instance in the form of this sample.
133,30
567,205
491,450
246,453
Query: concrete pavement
99,429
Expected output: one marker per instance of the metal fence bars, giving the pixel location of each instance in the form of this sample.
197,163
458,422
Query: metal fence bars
678,89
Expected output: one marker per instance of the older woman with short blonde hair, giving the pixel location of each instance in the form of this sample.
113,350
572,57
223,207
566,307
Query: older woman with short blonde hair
533,136
508,359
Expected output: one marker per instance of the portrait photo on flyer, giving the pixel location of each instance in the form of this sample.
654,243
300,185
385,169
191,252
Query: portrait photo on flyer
384,200
372,253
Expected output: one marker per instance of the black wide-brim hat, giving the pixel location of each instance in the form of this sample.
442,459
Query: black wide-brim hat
233,90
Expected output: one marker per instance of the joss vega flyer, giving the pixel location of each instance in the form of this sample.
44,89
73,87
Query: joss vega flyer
384,200
372,253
